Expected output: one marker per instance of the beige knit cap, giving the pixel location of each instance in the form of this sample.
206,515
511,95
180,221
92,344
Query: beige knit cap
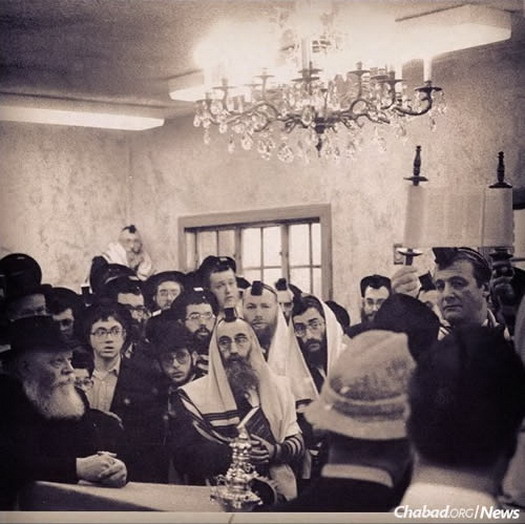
365,395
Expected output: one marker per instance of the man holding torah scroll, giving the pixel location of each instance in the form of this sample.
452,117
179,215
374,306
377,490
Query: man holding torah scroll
240,388
462,279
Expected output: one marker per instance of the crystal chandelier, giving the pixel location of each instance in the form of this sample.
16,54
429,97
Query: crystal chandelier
314,113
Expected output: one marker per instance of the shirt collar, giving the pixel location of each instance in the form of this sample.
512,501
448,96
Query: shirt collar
114,369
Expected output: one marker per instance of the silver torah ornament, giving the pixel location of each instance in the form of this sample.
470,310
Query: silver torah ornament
233,490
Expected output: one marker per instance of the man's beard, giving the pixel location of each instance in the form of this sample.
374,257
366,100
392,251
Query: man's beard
265,336
366,318
241,376
315,357
201,340
137,330
59,401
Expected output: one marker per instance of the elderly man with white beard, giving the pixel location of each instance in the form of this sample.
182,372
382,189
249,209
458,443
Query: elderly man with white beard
240,388
46,434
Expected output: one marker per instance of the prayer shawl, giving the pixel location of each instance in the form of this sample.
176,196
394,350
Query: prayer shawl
116,254
286,358
296,369
334,336
211,404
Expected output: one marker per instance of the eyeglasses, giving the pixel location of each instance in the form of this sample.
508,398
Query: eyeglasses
195,317
138,309
103,332
84,383
67,322
225,343
168,293
182,358
314,326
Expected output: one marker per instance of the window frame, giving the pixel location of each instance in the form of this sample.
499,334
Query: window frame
267,217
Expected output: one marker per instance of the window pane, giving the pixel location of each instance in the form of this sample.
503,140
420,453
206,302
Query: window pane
252,274
207,244
299,245
270,276
227,243
191,263
251,247
300,277
318,283
316,244
272,246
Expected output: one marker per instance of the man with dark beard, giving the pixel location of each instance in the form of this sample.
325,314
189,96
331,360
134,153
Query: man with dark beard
319,335
375,289
128,293
240,388
320,338
197,310
46,434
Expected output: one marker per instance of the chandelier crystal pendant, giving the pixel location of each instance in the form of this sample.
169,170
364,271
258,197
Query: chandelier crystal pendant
315,113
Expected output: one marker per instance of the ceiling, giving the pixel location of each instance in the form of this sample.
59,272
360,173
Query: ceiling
123,52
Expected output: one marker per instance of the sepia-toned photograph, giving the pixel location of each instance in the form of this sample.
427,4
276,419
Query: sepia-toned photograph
262,261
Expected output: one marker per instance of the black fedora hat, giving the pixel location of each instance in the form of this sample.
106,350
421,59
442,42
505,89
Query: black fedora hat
35,333
103,274
405,314
164,276
20,275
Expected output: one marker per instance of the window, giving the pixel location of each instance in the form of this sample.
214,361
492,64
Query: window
294,243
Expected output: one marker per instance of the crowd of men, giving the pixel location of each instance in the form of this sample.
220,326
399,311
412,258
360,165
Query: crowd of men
147,377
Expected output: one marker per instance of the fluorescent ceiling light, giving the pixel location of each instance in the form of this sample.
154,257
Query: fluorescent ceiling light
423,36
187,88
455,29
189,94
13,113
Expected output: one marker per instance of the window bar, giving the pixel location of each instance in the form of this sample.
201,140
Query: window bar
261,254
197,253
285,251
238,250
311,257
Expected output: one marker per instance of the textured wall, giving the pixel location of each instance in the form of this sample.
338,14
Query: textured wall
175,174
63,195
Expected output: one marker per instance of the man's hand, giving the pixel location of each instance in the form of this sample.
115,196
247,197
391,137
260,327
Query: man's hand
262,451
103,468
406,281
115,475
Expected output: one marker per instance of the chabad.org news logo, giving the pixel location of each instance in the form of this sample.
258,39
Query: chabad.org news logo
450,512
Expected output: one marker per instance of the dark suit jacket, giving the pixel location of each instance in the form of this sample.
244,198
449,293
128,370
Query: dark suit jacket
138,403
34,448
